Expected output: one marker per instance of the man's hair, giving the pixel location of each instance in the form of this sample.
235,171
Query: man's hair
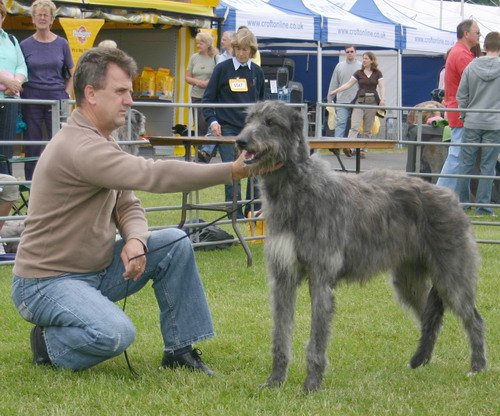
92,69
107,43
492,42
43,4
3,8
464,26
244,38
349,47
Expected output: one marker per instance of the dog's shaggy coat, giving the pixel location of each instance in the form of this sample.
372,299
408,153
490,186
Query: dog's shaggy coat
325,227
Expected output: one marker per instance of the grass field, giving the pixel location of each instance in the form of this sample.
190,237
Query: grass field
373,339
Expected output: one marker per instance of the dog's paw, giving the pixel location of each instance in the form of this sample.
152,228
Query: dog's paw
477,365
419,359
312,384
272,382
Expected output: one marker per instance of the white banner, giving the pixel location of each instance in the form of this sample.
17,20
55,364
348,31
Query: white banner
277,25
361,33
429,40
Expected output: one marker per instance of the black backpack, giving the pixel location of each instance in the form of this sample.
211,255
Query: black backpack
12,39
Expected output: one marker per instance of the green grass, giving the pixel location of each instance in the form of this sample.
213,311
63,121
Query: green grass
373,339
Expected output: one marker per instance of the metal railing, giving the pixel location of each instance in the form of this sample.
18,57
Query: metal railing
60,111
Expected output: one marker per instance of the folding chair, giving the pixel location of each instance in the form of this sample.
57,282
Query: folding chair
21,206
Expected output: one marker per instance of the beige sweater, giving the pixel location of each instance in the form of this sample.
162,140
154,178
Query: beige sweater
79,179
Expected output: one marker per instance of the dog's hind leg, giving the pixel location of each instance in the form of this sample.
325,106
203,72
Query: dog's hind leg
457,288
472,322
284,294
322,308
431,322
412,286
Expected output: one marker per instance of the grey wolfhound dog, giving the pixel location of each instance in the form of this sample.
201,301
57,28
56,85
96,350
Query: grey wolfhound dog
325,227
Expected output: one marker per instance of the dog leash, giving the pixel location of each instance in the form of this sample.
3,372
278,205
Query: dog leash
189,233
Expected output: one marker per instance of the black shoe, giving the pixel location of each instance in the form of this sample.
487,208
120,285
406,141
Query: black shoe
39,348
203,156
190,360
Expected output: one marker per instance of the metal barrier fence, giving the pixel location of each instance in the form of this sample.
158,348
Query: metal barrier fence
418,143
60,111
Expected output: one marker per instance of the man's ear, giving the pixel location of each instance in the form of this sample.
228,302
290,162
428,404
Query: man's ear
89,93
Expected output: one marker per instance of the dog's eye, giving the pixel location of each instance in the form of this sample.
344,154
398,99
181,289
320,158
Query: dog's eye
269,122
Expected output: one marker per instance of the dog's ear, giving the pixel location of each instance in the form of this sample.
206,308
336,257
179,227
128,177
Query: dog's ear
297,120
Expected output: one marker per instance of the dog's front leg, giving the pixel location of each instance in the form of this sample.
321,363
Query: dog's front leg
322,307
284,294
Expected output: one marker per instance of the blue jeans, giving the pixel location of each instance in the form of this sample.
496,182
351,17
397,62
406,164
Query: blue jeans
343,115
82,324
489,156
208,148
452,162
228,154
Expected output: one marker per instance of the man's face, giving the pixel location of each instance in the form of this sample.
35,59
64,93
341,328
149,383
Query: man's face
350,54
472,36
225,42
111,103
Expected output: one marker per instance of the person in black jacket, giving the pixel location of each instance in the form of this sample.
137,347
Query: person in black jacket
236,80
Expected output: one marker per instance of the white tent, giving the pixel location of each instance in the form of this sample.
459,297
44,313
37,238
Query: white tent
447,15
416,36
341,27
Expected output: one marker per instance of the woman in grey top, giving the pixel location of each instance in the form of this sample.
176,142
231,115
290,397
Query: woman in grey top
199,70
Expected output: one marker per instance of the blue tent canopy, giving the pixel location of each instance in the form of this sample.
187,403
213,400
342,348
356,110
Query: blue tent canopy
342,27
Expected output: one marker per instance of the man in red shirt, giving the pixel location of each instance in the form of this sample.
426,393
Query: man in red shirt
459,57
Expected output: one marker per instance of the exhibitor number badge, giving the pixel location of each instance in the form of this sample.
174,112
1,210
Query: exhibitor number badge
238,85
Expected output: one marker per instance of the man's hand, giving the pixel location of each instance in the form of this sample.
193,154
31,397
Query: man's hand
133,268
216,129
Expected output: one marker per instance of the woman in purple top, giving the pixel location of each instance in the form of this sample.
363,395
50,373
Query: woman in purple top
46,54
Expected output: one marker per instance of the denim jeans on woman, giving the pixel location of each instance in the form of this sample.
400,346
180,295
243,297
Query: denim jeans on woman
83,326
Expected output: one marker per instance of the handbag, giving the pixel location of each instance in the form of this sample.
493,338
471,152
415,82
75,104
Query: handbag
65,72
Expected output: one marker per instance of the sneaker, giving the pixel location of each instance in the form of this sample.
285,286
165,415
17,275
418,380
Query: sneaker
203,156
348,152
190,360
39,347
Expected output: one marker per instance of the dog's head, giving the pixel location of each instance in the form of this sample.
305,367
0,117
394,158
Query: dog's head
434,110
180,129
273,134
138,122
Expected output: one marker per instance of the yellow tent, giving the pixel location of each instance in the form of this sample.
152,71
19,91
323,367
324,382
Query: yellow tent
134,15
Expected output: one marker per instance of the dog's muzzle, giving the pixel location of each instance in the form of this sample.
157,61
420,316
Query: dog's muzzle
250,157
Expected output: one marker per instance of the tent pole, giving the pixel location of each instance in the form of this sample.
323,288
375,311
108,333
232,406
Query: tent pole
319,121
400,93
440,14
